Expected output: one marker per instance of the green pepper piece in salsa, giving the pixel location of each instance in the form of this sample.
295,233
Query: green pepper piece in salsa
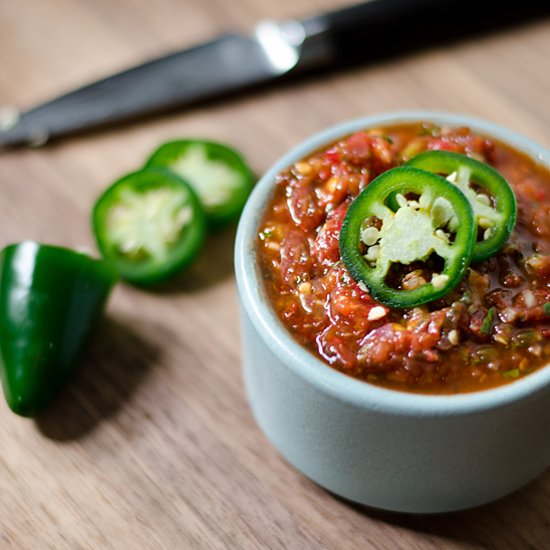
376,241
50,300
149,225
493,201
220,176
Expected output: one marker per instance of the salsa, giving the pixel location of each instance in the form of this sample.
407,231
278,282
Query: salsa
491,329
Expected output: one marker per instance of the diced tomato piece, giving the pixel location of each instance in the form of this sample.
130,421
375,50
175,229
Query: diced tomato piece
325,249
384,345
296,260
302,204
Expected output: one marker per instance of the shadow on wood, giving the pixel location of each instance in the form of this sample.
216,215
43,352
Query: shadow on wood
481,527
117,360
214,264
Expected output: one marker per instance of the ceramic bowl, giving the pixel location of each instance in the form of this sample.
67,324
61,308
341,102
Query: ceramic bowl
387,449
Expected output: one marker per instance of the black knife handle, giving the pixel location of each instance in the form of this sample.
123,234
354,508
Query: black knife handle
367,15
379,27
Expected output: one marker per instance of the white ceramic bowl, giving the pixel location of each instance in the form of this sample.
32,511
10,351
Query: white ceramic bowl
391,450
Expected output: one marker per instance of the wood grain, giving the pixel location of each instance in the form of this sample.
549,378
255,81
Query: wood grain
153,445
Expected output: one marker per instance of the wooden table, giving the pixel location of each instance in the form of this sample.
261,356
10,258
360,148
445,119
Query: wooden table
153,444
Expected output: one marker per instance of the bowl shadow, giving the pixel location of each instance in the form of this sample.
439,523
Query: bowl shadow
116,362
518,520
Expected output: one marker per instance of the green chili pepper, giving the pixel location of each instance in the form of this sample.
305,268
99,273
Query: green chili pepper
50,299
512,373
149,225
220,176
375,239
493,202
487,324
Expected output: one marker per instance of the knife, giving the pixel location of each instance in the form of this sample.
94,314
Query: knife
273,51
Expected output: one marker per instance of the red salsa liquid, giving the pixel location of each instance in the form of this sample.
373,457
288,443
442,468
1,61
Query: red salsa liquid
443,347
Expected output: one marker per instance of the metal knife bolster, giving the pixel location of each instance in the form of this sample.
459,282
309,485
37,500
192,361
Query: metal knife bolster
290,45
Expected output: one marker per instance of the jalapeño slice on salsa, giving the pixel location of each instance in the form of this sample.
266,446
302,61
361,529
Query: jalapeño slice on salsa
490,196
220,176
149,225
409,254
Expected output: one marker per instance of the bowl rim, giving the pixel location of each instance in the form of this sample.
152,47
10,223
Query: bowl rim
304,363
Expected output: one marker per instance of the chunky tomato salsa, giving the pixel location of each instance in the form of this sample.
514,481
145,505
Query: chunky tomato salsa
491,328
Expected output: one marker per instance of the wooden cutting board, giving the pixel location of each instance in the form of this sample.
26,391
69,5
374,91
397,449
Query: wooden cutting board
153,444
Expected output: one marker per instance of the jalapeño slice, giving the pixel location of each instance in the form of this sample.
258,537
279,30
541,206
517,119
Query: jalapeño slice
149,225
220,176
490,196
380,244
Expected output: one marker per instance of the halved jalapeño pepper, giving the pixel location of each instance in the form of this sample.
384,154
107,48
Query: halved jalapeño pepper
490,196
409,253
50,300
219,175
149,225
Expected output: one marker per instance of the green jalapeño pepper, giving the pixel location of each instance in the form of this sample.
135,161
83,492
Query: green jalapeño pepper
408,254
220,176
50,299
489,194
149,225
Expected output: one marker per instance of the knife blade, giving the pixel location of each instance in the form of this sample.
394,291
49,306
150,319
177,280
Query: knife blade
236,62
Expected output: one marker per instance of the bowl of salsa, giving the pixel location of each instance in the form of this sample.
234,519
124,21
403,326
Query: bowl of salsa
394,282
